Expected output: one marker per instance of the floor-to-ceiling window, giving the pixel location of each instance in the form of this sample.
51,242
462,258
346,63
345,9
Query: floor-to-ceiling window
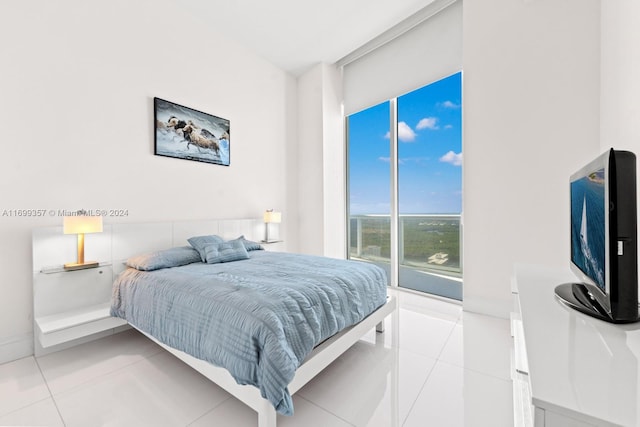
426,151
369,184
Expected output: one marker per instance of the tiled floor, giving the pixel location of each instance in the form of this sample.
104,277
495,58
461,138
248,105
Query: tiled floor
434,366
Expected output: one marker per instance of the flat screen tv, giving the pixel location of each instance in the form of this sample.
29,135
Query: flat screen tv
604,252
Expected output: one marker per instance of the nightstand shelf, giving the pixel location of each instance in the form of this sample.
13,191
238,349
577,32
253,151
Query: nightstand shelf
273,245
60,268
62,327
69,305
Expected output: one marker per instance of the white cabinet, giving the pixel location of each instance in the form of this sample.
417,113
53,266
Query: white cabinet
69,305
569,369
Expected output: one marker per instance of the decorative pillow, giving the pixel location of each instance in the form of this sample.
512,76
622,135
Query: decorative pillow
232,250
167,258
199,242
250,245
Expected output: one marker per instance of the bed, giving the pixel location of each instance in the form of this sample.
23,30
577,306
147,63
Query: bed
260,327
120,242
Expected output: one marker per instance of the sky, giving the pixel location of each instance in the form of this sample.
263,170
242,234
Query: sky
429,152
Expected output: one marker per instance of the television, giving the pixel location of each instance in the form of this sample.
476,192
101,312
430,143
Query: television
604,253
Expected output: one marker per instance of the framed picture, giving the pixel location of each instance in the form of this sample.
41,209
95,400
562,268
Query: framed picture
185,133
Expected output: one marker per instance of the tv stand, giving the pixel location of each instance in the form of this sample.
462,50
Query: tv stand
570,369
577,296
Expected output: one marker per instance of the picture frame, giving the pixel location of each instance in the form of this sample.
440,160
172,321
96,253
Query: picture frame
185,133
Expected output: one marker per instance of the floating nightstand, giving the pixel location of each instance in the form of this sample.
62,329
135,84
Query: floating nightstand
71,304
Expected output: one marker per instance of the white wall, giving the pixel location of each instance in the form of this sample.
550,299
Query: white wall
620,86
531,118
310,178
321,163
334,195
620,82
77,83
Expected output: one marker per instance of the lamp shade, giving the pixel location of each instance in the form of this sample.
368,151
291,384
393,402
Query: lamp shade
81,224
272,217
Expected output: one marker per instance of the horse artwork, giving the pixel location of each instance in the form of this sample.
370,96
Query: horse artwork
185,133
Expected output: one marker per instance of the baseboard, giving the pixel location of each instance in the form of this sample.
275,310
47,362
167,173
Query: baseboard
16,347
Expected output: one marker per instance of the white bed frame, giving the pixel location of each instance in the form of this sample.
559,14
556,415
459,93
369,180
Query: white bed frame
120,241
316,361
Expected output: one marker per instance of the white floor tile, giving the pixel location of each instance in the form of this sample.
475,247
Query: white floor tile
21,384
487,400
453,351
441,401
69,368
487,343
434,307
458,397
422,333
308,414
434,366
231,412
370,385
235,413
42,413
159,391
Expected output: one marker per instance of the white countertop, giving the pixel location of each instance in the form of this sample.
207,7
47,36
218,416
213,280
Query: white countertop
579,366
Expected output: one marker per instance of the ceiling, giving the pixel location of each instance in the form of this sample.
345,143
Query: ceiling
297,34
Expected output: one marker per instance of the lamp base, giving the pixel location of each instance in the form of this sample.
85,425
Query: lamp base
81,266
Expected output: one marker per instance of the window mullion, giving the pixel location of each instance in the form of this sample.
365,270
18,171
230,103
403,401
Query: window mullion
393,150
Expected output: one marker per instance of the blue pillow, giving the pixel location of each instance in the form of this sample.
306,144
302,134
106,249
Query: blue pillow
232,250
249,245
167,258
199,242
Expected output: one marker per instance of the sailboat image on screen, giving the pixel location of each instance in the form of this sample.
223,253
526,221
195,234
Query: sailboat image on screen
583,231
591,264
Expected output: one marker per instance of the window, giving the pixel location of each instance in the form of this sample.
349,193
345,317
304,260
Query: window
428,143
369,185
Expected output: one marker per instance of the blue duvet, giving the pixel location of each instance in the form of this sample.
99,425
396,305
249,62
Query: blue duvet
258,318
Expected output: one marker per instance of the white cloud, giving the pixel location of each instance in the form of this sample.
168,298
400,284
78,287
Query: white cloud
388,160
453,158
417,160
449,104
428,123
448,127
405,133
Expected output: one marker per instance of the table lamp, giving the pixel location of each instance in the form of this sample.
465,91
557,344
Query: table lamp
80,225
270,217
